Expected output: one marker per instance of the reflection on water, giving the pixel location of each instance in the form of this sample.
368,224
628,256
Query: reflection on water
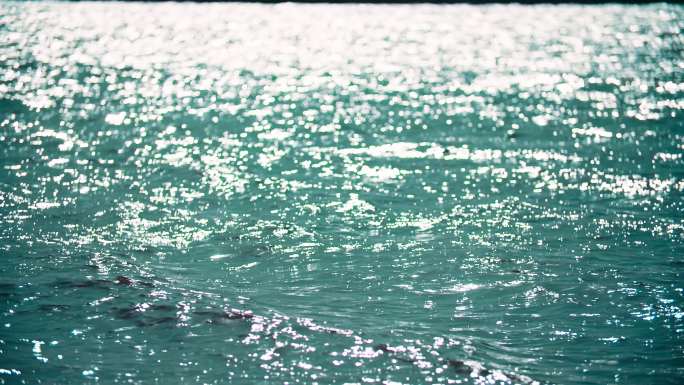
341,194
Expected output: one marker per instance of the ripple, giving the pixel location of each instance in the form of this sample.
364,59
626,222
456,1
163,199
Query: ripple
341,193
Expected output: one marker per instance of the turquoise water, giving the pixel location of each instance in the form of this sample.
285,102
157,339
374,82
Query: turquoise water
300,194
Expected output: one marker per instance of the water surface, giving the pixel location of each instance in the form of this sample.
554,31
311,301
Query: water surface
213,194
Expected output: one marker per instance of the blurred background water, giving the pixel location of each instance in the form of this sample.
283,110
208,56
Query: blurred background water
416,194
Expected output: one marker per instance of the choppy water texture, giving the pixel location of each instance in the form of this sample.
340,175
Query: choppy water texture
213,194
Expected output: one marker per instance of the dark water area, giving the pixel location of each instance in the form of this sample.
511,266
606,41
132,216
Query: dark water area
359,194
